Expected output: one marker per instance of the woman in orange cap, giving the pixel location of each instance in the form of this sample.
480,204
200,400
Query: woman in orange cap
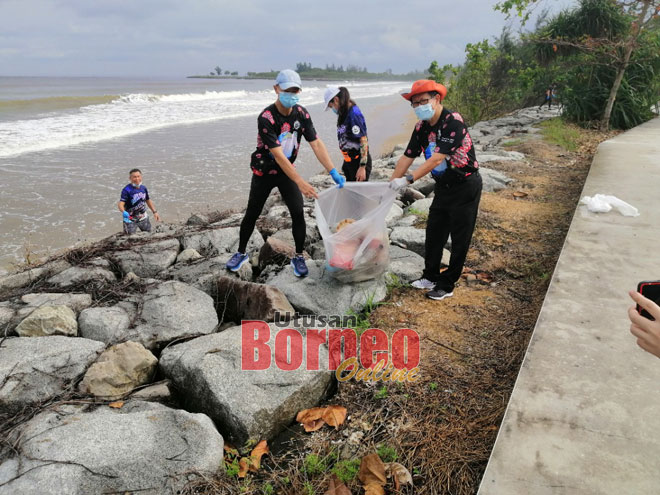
351,133
443,137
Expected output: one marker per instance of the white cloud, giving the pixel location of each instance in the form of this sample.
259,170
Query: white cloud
174,37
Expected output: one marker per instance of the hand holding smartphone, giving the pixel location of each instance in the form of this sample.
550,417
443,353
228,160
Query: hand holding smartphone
650,290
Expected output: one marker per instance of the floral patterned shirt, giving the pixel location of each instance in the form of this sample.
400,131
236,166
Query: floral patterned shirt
277,130
450,137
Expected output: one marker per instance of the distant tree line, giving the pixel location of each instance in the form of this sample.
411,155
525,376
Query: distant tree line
334,72
330,72
602,55
218,72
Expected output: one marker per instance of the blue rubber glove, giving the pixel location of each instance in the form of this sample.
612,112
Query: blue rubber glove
339,180
127,217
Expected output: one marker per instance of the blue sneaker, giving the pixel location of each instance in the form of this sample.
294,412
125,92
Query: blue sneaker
299,266
237,261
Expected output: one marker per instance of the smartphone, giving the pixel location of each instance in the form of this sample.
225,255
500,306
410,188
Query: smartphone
650,290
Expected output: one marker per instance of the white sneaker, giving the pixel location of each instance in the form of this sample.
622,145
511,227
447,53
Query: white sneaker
423,283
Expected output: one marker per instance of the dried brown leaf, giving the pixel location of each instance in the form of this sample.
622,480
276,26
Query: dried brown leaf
310,414
117,404
372,471
243,465
313,425
400,473
337,487
335,415
256,454
374,489
311,419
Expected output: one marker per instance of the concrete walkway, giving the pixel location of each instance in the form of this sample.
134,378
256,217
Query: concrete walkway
584,417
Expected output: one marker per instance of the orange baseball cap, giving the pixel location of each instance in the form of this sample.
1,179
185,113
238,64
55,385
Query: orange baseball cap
425,86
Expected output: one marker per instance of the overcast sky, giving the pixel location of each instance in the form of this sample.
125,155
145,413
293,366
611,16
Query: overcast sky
183,37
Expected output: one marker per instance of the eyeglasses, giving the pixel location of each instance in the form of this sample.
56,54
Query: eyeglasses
417,103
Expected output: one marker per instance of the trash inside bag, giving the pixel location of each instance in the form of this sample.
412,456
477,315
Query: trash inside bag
602,203
352,224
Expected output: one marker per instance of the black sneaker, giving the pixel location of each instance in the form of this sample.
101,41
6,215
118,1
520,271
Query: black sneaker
438,294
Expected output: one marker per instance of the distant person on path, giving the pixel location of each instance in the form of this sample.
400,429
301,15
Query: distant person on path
133,204
280,128
443,137
548,97
647,331
351,133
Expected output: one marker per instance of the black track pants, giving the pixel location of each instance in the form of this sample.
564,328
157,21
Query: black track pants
350,168
260,189
453,211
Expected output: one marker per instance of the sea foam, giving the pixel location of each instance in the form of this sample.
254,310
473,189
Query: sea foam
134,113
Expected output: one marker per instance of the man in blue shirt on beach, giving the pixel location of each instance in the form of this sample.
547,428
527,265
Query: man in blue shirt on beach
133,204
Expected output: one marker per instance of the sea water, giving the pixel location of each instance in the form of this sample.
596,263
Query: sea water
67,144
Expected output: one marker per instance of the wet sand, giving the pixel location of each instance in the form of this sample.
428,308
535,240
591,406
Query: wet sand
401,133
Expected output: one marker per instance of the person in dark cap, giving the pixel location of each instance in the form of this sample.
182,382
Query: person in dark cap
443,137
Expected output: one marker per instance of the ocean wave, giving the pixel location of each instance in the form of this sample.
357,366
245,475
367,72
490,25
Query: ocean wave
111,117
51,103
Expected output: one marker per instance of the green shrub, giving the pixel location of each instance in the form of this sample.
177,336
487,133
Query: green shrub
346,471
557,132
387,453
314,465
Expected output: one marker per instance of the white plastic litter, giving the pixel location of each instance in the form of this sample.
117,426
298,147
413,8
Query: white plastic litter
602,203
360,250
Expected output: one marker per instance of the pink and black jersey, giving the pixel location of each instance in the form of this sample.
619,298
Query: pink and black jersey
449,136
277,130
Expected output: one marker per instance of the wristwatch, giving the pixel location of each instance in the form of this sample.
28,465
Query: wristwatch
410,178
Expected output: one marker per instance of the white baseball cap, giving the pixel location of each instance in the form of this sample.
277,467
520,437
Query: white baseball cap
330,93
288,79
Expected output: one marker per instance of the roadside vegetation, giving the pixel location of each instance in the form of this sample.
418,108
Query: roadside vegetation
602,55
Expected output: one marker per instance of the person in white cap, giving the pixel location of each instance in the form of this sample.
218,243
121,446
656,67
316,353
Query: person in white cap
281,127
351,133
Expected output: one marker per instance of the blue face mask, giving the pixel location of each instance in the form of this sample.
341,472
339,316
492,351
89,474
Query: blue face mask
424,112
288,100
335,110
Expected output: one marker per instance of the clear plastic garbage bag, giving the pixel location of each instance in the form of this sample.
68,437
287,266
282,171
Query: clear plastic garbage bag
359,250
